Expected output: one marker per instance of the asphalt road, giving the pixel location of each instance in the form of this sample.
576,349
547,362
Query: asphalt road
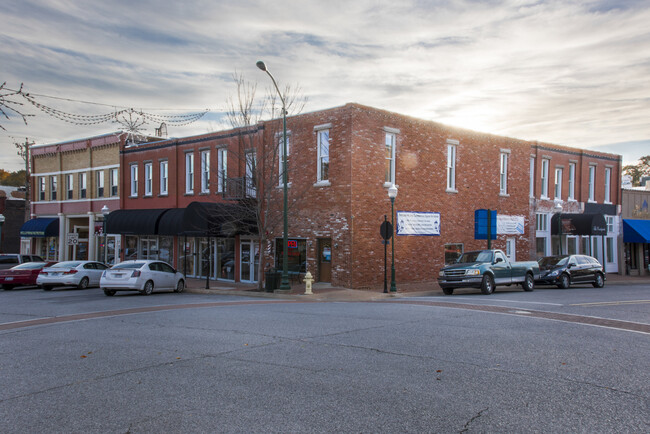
77,361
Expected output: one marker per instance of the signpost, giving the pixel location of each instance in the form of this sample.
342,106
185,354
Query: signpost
73,239
386,231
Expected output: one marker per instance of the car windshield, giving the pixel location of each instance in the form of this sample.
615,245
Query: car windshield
66,264
128,265
8,259
30,266
480,256
553,261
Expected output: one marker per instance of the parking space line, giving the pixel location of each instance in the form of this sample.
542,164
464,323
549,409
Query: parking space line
612,303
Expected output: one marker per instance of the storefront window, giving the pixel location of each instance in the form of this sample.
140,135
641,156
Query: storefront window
453,252
540,245
226,258
166,249
131,248
186,256
296,254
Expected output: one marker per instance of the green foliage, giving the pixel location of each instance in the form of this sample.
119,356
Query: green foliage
637,171
12,179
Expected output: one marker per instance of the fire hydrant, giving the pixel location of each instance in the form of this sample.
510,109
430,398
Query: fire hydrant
308,281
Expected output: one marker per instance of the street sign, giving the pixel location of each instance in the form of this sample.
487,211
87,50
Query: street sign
73,239
386,230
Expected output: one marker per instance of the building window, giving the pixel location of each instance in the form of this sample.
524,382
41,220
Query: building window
451,166
453,252
592,182
608,184
114,182
503,174
134,180
100,183
251,182
69,185
296,254
222,168
541,222
531,180
205,171
323,137
389,153
164,178
281,154
83,185
544,179
609,247
148,179
610,224
558,183
53,187
540,247
41,188
189,173
572,181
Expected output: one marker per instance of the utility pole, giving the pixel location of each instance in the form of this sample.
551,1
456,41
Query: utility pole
23,151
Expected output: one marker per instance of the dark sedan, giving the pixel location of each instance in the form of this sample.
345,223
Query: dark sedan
566,270
22,275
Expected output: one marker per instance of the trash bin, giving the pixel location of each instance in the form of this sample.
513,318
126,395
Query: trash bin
273,279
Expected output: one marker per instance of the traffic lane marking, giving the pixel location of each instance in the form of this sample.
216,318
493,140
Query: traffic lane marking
611,303
510,301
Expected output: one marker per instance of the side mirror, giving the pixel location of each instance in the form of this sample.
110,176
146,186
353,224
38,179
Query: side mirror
570,265
498,260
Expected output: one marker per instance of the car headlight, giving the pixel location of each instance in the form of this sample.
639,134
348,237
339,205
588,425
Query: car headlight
441,273
553,273
473,272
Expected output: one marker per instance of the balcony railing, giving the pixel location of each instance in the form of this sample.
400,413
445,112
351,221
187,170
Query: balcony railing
239,188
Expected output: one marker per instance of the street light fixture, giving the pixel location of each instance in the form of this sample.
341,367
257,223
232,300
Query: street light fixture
392,194
558,208
284,284
105,212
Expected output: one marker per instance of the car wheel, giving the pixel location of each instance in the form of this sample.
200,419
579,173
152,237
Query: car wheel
7,287
448,291
529,283
47,288
109,292
83,284
180,286
599,282
148,288
565,281
487,286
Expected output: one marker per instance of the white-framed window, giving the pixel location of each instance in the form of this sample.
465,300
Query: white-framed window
531,181
281,159
451,165
610,224
100,183
83,185
558,183
222,168
148,178
592,183
503,173
389,155
205,171
69,185
608,184
572,181
541,222
41,188
545,164
164,178
53,187
114,183
251,168
189,173
134,180
323,144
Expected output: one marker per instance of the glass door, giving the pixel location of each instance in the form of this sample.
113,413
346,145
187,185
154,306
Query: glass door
249,261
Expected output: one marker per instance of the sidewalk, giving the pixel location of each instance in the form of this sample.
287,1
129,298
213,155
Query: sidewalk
327,292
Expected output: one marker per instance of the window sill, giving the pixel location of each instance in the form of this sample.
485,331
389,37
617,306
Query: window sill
388,184
324,183
189,193
504,195
280,187
204,193
544,198
163,195
607,202
148,195
451,190
133,197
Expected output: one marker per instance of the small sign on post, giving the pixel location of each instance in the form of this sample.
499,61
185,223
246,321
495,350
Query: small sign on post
73,239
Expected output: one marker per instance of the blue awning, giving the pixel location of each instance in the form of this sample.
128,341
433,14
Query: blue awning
636,231
40,228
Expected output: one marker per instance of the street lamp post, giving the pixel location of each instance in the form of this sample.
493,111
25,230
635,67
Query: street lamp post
558,208
2,220
284,284
105,212
392,194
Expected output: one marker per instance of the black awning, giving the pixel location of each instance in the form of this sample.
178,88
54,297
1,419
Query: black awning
133,221
580,224
171,222
40,228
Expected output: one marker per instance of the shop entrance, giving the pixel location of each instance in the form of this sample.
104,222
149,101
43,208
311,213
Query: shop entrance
325,260
250,260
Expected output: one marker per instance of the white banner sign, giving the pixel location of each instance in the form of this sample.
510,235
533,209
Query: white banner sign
418,223
510,225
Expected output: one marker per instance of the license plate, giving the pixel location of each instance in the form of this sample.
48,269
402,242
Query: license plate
9,278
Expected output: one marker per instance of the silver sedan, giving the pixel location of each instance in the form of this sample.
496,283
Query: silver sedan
143,276
82,274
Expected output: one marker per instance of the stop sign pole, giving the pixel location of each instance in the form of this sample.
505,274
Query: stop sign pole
386,231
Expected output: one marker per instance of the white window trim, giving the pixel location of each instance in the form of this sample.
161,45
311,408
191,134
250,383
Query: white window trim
100,182
189,172
320,182
531,181
148,179
557,186
392,133
452,145
205,171
572,182
164,177
133,170
592,184
117,182
222,169
504,156
608,185
544,178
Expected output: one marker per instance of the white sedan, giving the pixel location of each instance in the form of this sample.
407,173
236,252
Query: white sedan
82,274
143,276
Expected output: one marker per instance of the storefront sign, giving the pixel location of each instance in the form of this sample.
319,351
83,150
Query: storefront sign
510,225
418,223
73,239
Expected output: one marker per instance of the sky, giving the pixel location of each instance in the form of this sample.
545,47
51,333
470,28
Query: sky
569,72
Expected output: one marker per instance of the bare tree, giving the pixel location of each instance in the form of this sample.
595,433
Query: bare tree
8,105
259,154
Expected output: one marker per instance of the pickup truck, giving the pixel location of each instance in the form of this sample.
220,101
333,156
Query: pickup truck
486,269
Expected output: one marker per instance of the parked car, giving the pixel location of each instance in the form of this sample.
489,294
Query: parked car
22,274
143,276
8,260
566,270
82,274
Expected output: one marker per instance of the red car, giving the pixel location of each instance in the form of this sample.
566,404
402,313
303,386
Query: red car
22,275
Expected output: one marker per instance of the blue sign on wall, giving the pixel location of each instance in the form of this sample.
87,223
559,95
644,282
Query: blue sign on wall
481,224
